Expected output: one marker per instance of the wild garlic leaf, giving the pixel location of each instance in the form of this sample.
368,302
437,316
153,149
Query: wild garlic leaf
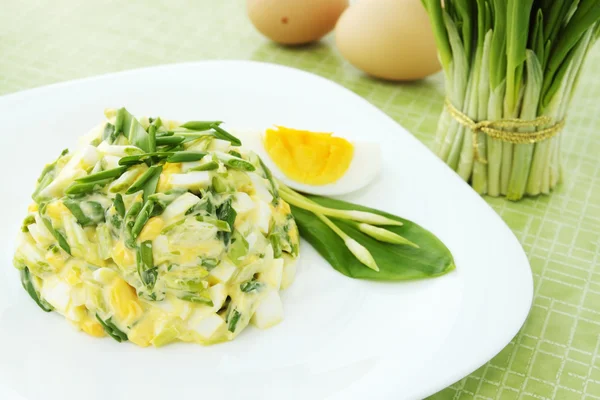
395,262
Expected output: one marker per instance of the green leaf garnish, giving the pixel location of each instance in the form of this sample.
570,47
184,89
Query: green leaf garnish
396,262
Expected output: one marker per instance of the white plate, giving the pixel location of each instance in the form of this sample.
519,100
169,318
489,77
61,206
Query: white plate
341,338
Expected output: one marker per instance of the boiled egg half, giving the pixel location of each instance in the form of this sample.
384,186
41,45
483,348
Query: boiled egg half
315,162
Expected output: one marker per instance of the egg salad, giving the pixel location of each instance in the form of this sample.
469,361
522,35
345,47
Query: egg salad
153,231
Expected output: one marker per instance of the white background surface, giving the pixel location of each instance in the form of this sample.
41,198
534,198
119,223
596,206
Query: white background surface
341,338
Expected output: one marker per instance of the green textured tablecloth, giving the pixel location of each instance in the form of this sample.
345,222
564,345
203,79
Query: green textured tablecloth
556,353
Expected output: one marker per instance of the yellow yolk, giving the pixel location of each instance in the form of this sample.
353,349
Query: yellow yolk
163,180
91,327
124,301
151,230
308,157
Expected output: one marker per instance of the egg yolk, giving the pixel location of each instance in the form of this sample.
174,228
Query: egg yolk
312,158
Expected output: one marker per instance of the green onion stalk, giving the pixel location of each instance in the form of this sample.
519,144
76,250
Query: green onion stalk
509,60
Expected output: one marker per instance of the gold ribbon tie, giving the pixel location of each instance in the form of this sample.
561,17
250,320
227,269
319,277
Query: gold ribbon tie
503,129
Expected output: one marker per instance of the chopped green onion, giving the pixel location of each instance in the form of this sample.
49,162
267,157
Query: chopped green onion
222,226
145,264
186,156
119,205
226,212
30,219
140,158
83,188
62,242
251,286
221,133
142,218
111,329
169,140
209,166
200,125
27,283
232,321
91,215
144,178
100,176
234,162
197,298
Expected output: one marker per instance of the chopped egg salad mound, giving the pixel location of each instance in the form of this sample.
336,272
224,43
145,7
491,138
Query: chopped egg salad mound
156,232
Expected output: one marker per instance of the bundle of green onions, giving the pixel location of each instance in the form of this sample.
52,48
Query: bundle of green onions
511,68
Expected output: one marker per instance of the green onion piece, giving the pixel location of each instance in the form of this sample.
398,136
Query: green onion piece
145,264
197,298
130,127
30,219
200,125
111,329
233,320
119,205
219,184
186,156
204,206
234,162
62,242
109,133
169,228
83,188
222,226
142,218
129,220
251,286
209,166
92,213
105,242
276,244
100,176
140,158
145,177
152,183
238,248
169,140
221,133
33,293
269,176
152,138
226,212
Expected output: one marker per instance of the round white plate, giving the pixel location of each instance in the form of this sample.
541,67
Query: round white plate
341,338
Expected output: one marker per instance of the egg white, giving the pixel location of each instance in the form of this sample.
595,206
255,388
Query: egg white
363,169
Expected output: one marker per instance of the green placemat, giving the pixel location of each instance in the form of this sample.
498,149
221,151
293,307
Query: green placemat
556,353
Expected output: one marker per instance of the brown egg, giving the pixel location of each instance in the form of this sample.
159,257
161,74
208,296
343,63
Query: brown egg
295,21
389,39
